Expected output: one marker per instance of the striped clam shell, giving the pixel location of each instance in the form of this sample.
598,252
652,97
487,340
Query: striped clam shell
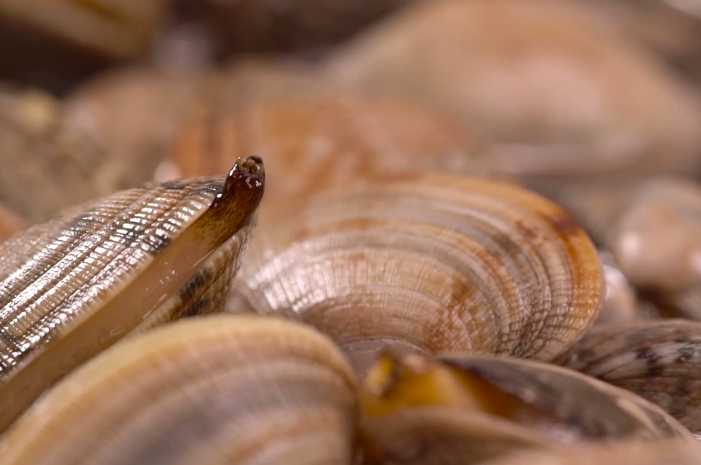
464,409
428,263
72,287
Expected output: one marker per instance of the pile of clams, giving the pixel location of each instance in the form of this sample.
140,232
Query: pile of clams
418,318
333,232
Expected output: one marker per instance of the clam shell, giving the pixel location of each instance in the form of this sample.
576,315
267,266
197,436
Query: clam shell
10,223
209,390
658,360
464,409
657,242
430,264
72,287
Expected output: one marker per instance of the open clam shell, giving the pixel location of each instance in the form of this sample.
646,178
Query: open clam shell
463,409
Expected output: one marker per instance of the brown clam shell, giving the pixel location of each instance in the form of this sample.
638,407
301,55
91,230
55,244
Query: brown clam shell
72,287
431,263
533,78
658,360
465,409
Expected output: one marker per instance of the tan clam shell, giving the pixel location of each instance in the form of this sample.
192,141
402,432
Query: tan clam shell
72,287
533,78
465,409
665,452
432,263
336,140
211,390
658,360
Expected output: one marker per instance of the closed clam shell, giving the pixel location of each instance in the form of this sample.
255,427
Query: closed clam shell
464,409
664,452
432,263
658,360
657,242
515,71
72,287
278,26
210,390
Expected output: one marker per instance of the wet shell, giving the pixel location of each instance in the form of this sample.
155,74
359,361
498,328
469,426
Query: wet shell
430,264
657,241
73,286
658,360
211,390
665,452
463,409
10,223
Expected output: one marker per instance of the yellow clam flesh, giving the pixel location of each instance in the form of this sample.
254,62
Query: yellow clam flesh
658,360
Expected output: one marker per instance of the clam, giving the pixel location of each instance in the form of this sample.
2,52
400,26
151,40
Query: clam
658,360
516,71
72,287
657,242
251,389
211,390
462,409
430,263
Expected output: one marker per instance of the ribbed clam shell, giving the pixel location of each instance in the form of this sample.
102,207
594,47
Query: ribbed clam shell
73,286
432,263
658,360
665,452
208,390
10,223
464,409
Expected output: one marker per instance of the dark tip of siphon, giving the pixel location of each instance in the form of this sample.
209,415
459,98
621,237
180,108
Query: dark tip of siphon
246,174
